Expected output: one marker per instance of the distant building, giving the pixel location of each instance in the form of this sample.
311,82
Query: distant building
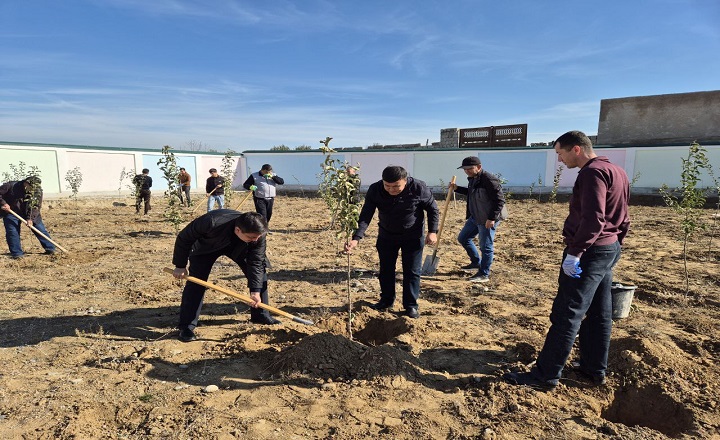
679,118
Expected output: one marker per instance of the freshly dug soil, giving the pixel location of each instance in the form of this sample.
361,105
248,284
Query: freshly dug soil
89,350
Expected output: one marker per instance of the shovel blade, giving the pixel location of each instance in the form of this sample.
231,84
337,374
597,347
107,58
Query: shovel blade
430,265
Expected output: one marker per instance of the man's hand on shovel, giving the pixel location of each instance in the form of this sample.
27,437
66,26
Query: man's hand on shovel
179,273
431,239
255,297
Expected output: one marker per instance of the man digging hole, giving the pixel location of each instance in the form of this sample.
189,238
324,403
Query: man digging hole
238,236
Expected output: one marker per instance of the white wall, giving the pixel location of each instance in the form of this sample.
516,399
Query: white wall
519,167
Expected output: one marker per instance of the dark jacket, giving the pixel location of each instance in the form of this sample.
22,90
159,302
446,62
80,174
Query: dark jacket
214,231
212,183
401,216
13,193
598,207
143,181
486,200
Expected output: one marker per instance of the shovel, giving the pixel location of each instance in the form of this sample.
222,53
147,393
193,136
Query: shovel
244,298
431,261
237,208
200,204
37,231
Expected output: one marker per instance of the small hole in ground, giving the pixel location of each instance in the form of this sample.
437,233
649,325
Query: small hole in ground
649,407
380,331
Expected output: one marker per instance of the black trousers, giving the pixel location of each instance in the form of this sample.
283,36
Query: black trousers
388,250
143,195
192,296
264,207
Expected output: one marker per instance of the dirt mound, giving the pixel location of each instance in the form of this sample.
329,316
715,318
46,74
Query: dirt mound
330,356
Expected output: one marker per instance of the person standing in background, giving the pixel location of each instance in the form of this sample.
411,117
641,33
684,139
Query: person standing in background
262,184
215,191
143,183
485,209
184,179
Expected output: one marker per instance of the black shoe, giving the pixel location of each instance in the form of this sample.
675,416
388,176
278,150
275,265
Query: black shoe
412,312
596,379
186,335
17,257
264,319
471,266
47,252
380,305
529,380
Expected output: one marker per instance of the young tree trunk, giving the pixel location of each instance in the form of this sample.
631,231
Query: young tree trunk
349,299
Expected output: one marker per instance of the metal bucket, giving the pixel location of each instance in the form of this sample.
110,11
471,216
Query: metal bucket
622,296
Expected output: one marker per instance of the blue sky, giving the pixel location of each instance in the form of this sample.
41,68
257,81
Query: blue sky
240,75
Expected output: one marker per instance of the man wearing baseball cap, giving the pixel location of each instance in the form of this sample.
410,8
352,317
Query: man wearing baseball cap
485,209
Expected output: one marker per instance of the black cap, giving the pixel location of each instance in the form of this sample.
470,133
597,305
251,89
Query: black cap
266,166
213,170
470,161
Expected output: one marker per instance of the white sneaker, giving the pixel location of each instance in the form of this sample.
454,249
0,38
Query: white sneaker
477,278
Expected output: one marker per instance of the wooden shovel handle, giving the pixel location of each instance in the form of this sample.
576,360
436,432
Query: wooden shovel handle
244,298
444,213
37,231
200,204
243,200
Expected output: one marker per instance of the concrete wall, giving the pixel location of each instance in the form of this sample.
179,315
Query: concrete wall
520,168
660,119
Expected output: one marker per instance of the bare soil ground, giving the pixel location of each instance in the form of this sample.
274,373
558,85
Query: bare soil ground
89,350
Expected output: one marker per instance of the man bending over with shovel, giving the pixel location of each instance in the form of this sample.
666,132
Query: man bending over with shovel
238,236
25,199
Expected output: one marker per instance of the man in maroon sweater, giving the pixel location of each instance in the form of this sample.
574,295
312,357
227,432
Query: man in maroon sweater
594,229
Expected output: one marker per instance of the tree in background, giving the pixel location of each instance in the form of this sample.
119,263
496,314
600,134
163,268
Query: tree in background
20,172
688,200
228,171
168,165
280,147
74,179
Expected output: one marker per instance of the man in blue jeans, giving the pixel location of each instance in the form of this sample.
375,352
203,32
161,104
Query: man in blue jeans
594,230
402,203
25,199
484,211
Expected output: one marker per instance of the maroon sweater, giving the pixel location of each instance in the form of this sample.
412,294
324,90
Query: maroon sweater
598,207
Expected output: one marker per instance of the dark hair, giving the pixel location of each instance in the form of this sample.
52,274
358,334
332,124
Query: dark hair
572,138
213,170
182,169
266,166
33,181
393,173
145,170
251,223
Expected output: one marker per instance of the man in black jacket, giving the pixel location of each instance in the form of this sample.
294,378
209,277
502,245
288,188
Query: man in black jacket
401,202
25,199
143,183
485,209
238,236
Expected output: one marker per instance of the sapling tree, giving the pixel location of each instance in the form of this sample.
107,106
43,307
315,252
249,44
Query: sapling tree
228,171
339,188
127,176
168,165
20,171
688,199
74,179
556,184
